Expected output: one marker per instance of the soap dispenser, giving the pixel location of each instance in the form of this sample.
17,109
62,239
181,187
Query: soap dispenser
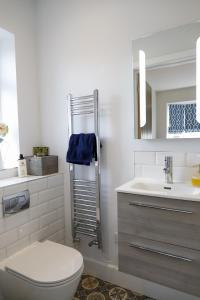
22,168
196,179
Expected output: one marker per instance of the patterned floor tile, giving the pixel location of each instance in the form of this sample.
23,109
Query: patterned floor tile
92,288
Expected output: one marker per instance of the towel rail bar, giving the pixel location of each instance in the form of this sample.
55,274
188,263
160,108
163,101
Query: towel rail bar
84,210
82,195
84,191
82,97
85,233
77,112
92,217
82,108
84,200
77,219
84,205
82,103
83,180
82,186
87,229
85,224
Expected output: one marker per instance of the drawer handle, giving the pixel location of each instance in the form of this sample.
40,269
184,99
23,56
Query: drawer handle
160,252
161,208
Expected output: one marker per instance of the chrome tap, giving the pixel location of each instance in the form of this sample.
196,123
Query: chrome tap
168,169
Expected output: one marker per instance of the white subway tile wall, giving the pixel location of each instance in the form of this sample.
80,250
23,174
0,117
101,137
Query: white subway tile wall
150,164
148,159
43,220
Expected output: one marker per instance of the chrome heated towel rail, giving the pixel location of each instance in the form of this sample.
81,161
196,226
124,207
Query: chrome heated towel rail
85,193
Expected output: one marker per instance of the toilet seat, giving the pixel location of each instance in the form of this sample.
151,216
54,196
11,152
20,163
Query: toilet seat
46,264
47,285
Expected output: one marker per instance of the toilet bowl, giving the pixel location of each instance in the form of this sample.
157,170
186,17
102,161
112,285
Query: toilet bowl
42,271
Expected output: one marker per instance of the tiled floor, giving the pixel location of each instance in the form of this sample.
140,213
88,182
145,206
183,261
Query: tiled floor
92,288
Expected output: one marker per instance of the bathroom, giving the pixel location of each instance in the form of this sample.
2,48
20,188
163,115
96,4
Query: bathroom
78,46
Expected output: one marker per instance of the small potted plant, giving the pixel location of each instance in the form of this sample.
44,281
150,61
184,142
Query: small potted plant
3,131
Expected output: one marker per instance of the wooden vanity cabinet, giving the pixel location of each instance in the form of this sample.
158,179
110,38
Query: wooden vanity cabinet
159,240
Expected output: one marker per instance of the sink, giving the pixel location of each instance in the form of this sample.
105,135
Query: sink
146,186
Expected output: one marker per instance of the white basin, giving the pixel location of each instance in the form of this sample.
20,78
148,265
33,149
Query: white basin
146,186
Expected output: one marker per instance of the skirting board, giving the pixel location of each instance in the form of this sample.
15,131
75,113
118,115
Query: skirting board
109,272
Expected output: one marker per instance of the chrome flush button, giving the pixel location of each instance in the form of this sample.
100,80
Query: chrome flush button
13,204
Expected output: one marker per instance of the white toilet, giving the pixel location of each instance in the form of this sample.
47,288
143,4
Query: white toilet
42,271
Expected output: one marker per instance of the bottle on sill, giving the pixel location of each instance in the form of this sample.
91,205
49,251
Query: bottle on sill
196,179
22,168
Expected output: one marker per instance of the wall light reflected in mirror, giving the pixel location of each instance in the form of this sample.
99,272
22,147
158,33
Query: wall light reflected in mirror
142,74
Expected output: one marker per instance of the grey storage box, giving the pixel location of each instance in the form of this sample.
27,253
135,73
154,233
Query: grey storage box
43,165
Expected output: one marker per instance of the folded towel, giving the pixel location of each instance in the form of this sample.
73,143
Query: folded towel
82,149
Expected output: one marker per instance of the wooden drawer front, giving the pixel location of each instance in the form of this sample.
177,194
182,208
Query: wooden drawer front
172,266
166,220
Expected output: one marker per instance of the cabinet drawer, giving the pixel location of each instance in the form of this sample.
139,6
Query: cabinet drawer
170,265
167,220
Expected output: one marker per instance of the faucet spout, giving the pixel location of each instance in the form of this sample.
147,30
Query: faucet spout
168,169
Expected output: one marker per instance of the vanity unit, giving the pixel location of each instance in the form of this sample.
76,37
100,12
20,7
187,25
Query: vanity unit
159,233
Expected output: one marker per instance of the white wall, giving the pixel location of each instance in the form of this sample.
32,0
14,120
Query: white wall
18,17
84,45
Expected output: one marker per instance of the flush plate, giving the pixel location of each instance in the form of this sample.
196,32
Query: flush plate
15,203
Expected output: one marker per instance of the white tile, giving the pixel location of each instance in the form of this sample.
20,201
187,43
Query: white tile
58,237
60,212
61,235
55,180
154,172
8,238
179,158
39,210
2,226
56,203
193,159
16,220
19,245
1,211
145,158
138,171
47,219
51,194
29,228
15,189
56,226
36,186
46,210
1,194
2,254
34,200
183,174
39,235
133,158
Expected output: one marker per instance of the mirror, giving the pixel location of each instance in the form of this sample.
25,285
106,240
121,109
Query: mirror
165,67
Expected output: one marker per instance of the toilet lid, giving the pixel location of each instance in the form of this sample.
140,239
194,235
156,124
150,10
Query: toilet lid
46,263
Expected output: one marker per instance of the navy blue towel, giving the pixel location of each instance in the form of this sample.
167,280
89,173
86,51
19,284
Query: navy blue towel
82,149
